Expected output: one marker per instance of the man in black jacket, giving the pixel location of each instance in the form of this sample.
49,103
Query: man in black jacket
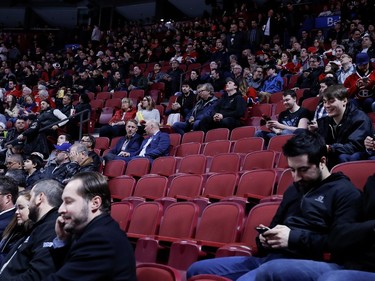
228,110
30,259
311,207
89,244
345,127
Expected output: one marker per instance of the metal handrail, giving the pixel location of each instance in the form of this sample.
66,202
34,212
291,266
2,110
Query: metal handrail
81,121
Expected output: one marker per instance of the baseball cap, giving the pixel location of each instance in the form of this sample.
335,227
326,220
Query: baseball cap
231,79
63,147
362,59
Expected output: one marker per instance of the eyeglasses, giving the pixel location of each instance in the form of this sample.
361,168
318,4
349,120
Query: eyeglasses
201,91
312,61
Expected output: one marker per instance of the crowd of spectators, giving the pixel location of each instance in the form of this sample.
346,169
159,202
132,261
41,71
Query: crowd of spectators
239,60
256,52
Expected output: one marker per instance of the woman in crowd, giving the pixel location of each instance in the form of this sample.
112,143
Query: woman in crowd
116,126
146,111
19,226
12,108
285,65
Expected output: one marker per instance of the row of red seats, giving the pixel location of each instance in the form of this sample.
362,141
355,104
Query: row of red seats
185,236
240,187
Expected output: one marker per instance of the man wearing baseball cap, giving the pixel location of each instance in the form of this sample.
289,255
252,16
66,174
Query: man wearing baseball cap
62,169
361,84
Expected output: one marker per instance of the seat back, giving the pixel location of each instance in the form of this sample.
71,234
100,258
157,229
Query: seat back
262,213
256,184
186,186
225,162
102,143
146,218
138,167
220,185
157,272
311,103
261,109
114,168
357,171
179,220
263,159
114,142
119,94
193,164
164,166
217,134
175,140
285,180
242,132
105,115
151,187
216,147
276,143
195,136
114,103
136,94
185,149
247,145
220,222
103,95
121,212
121,187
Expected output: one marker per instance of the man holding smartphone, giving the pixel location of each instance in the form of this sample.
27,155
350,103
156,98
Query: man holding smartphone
311,207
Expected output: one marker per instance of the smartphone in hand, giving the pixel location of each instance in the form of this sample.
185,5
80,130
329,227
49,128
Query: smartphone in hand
261,229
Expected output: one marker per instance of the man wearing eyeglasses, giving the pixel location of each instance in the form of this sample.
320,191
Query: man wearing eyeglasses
89,141
8,197
14,164
310,78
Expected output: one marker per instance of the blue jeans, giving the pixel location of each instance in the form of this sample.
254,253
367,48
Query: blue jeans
347,275
234,268
293,270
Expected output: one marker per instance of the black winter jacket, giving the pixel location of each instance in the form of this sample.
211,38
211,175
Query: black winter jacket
311,214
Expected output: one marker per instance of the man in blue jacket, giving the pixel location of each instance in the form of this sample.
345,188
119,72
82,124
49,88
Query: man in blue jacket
203,108
127,144
89,244
156,145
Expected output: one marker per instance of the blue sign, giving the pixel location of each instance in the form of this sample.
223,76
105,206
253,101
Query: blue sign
72,46
326,22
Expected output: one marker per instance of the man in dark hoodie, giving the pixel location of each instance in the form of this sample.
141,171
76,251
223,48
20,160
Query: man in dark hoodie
352,242
312,206
228,110
344,128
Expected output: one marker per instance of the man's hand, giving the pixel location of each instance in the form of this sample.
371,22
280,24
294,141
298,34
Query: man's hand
276,238
59,229
124,154
369,143
217,117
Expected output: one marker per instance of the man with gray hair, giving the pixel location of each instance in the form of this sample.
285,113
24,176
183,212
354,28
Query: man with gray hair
79,154
156,145
30,259
204,107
